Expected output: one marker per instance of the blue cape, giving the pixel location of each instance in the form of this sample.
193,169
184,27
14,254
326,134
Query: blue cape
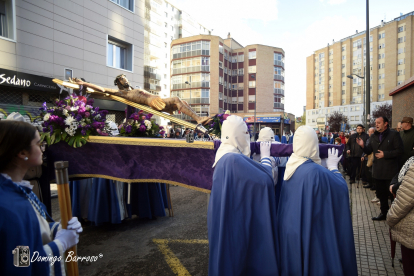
241,218
314,224
19,226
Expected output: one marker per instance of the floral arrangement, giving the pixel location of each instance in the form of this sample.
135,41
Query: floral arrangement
141,125
217,122
72,120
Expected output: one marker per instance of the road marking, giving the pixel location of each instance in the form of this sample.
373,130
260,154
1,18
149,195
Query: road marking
174,263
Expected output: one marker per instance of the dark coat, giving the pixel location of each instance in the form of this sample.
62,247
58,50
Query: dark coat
392,146
407,137
352,145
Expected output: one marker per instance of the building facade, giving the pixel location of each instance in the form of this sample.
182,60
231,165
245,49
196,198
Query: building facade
163,23
402,101
328,88
91,39
214,75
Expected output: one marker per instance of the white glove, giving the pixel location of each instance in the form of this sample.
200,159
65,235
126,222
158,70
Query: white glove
265,149
67,238
333,159
74,224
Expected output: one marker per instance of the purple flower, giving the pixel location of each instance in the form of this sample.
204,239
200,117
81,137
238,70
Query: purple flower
135,116
51,129
128,129
78,117
90,101
96,125
87,114
142,128
149,116
44,129
83,132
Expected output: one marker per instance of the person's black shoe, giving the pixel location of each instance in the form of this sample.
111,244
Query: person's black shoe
368,186
380,217
373,188
351,181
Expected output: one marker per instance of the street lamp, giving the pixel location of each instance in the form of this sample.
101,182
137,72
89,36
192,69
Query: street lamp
363,95
254,125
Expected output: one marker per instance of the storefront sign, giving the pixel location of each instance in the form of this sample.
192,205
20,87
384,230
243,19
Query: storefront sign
27,81
262,119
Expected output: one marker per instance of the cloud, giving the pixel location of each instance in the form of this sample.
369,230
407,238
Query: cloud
229,16
334,2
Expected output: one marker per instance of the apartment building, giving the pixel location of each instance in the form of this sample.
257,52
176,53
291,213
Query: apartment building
91,39
328,88
214,75
164,23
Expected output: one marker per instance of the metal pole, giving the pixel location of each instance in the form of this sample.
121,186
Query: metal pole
254,126
367,75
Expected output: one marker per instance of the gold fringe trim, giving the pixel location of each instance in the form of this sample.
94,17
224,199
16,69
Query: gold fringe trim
139,180
155,142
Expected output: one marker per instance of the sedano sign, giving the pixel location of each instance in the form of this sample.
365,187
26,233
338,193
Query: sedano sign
28,81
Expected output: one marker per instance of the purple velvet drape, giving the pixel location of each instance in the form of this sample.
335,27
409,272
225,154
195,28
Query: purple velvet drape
189,166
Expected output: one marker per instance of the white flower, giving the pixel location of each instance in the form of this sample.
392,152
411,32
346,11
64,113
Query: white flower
227,112
98,116
46,117
88,107
69,120
83,124
65,112
69,131
148,124
74,108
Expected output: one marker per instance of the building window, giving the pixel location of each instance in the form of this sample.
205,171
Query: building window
166,25
127,4
252,55
252,84
166,15
241,71
343,66
68,74
220,64
343,49
7,15
343,83
252,69
119,54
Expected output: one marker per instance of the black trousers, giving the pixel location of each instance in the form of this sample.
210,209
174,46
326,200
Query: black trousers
364,173
355,167
383,191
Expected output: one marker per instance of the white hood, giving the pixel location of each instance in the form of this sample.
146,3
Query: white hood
234,138
266,134
305,147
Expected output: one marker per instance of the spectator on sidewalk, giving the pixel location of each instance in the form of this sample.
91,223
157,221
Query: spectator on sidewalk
386,144
400,217
342,136
407,136
347,163
355,152
368,171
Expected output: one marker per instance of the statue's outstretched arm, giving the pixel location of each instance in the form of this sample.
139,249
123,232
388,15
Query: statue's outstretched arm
94,86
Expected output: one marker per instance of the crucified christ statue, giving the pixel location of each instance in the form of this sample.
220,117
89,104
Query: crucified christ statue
140,96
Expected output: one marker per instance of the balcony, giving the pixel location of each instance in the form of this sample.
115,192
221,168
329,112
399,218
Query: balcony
279,77
279,105
279,91
279,63
202,68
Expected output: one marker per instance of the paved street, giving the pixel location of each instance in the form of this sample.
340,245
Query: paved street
178,245
372,242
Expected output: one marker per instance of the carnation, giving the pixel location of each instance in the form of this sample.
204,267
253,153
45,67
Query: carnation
46,117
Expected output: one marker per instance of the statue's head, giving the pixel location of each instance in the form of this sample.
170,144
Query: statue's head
121,81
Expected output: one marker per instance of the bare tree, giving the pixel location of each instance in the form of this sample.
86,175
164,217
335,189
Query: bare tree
382,110
335,121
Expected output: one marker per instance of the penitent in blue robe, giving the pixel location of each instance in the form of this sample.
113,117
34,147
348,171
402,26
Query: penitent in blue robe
314,224
19,225
241,218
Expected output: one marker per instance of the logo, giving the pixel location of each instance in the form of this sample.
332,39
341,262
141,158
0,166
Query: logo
21,256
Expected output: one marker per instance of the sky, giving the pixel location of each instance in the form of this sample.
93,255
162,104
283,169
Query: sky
299,27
